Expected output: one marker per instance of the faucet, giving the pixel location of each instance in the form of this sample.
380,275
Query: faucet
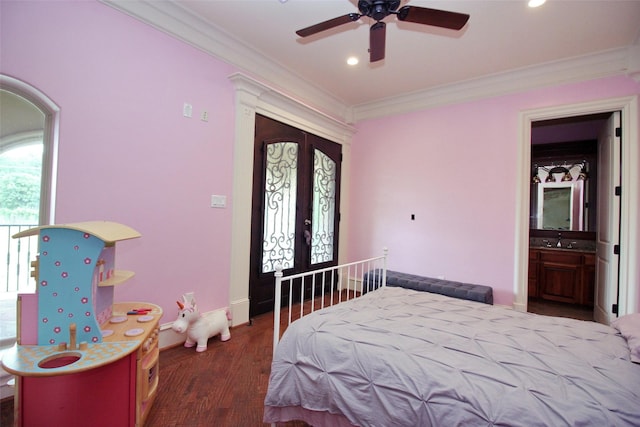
72,336
559,244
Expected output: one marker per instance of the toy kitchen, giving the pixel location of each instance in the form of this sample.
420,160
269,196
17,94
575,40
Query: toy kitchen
80,359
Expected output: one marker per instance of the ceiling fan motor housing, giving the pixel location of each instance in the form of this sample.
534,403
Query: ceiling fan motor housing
377,9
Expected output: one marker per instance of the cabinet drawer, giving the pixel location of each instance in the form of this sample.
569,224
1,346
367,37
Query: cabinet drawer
561,258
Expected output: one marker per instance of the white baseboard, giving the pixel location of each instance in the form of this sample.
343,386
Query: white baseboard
169,338
240,311
519,307
352,284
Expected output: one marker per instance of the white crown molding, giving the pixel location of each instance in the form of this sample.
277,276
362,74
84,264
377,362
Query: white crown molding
287,109
589,67
172,18
633,67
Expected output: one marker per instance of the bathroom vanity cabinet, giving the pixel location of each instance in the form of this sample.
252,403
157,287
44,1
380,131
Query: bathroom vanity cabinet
562,275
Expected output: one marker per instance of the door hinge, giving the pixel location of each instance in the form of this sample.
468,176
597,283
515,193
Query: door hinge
614,308
618,190
616,249
618,132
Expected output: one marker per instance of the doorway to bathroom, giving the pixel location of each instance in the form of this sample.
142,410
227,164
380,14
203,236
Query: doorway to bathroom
625,247
573,160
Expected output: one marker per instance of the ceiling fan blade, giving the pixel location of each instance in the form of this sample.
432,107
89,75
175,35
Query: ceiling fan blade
434,17
377,40
326,25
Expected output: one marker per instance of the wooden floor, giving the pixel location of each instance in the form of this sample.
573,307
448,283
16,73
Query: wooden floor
226,385
223,386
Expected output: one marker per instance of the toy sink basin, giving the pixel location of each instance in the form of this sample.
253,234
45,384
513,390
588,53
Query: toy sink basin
59,360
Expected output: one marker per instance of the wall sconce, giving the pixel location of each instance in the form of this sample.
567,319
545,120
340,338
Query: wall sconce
565,170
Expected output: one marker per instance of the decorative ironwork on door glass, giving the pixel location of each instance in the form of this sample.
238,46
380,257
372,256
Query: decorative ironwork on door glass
324,207
278,243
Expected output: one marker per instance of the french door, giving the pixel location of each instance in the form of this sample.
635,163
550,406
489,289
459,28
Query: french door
295,209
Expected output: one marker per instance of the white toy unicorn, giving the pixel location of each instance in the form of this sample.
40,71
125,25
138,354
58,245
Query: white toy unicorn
200,328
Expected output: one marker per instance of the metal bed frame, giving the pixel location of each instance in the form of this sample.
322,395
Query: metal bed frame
334,281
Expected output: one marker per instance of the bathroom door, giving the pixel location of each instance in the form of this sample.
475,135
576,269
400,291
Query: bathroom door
295,217
608,230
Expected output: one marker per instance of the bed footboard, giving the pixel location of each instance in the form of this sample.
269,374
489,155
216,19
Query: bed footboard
313,290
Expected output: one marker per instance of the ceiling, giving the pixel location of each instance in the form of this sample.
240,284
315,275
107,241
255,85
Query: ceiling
597,37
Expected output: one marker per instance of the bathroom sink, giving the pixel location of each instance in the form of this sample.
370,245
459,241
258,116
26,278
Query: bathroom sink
59,360
564,249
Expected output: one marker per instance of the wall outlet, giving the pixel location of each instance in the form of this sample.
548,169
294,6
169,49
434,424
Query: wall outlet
441,277
204,116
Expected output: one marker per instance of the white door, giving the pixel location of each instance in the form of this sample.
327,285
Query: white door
608,232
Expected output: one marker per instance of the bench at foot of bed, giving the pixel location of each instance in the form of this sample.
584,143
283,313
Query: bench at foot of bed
468,291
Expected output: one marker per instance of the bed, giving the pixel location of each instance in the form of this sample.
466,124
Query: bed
401,357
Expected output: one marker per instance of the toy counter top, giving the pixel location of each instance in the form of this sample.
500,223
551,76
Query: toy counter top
122,335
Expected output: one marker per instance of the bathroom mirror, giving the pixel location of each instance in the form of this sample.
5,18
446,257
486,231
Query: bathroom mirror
563,194
560,201
560,206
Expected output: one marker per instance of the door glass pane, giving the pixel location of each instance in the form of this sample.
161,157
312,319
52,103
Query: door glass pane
278,243
324,207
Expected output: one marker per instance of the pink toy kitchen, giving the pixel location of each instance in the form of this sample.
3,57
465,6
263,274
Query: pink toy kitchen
80,358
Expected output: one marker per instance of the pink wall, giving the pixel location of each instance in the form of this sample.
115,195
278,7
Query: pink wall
452,167
126,153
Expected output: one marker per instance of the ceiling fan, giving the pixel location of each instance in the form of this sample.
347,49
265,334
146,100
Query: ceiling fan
380,9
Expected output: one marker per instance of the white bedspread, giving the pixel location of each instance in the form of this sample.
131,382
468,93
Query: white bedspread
397,357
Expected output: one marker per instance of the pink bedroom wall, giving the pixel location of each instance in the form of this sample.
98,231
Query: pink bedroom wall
454,168
126,153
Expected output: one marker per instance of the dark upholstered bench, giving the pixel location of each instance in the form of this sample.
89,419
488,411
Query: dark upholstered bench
469,291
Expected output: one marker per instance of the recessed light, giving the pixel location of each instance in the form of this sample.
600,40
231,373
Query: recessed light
352,60
536,3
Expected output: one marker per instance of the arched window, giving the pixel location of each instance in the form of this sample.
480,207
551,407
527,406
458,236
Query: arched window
28,146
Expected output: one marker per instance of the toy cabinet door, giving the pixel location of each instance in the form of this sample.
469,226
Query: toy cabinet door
98,397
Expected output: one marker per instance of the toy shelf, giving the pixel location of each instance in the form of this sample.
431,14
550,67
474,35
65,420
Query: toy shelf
119,276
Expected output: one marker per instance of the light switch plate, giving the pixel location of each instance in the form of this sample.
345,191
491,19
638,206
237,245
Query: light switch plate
187,110
218,201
